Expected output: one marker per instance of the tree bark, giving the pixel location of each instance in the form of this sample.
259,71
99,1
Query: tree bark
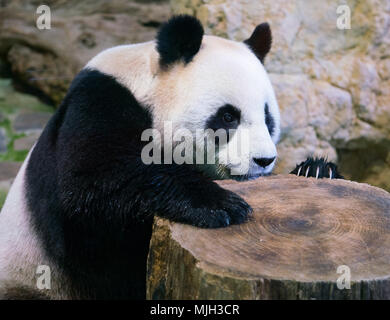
301,232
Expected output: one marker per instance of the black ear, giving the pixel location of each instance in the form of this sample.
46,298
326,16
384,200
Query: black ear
260,41
179,39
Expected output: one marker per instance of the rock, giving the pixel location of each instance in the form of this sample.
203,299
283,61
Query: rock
332,85
26,143
47,60
8,171
3,140
12,101
321,114
19,113
27,122
44,71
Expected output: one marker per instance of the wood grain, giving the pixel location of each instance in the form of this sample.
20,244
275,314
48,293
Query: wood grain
301,231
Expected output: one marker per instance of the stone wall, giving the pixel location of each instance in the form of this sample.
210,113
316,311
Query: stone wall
333,85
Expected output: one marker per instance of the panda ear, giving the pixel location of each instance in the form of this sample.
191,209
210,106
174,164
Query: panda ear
179,39
260,41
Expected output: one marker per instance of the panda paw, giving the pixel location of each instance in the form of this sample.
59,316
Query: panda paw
227,210
237,208
318,168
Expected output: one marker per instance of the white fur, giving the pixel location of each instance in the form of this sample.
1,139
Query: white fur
19,246
20,250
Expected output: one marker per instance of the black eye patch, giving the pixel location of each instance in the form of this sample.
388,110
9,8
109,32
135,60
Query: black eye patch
269,121
227,117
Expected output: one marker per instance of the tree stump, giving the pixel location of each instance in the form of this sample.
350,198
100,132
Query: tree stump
301,232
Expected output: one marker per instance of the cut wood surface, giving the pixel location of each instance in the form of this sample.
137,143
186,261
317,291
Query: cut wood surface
301,232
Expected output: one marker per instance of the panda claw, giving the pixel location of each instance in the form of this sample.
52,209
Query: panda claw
307,171
324,169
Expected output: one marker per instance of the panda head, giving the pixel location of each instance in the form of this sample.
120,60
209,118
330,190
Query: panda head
221,84
195,81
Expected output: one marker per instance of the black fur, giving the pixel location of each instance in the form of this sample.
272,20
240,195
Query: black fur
260,41
310,166
269,120
179,39
92,198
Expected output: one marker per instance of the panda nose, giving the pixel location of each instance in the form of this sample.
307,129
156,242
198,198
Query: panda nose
263,162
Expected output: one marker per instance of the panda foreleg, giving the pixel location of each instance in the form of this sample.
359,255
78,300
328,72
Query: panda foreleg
182,194
317,168
189,197
136,190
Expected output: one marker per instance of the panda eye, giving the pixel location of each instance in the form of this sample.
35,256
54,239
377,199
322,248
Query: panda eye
228,117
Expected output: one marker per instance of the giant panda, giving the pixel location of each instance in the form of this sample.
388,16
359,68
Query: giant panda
83,201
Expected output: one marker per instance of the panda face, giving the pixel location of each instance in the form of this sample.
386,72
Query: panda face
226,87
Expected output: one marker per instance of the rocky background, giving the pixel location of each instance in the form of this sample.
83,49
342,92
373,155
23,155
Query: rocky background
333,86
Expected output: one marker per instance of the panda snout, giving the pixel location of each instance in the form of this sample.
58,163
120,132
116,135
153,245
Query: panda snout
263,162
